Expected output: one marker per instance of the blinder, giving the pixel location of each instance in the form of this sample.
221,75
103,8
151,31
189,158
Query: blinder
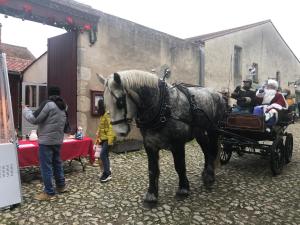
121,104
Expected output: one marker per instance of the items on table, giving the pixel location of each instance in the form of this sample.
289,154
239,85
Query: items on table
79,133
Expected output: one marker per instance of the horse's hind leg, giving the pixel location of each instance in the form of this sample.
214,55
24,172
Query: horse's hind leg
153,168
209,145
178,152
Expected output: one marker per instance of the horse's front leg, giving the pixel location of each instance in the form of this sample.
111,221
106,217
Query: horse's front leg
153,167
178,152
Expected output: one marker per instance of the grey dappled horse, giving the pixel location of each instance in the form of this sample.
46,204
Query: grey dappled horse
168,117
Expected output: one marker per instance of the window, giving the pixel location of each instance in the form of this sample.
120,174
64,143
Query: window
34,94
278,77
254,72
237,65
42,94
30,95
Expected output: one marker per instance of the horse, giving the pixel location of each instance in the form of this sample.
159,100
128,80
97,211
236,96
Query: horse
168,116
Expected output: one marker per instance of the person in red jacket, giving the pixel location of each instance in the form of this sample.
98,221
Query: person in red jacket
271,100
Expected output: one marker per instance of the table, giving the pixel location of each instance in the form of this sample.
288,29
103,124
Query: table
71,149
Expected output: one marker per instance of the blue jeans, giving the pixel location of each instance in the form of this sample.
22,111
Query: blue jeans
51,164
104,156
242,110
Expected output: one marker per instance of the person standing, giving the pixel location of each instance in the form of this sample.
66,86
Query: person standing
106,137
50,118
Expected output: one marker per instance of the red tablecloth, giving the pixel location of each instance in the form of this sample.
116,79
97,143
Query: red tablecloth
71,148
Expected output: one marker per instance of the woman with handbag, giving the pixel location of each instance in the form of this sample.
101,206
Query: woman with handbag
105,138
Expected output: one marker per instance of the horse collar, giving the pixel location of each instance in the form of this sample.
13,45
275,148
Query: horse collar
159,119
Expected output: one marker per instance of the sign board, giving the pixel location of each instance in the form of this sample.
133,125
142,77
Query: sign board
10,187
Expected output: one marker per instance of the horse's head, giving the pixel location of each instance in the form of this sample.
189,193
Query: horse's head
120,102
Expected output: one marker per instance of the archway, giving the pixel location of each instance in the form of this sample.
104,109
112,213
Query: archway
76,18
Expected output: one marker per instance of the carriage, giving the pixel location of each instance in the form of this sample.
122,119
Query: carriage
243,133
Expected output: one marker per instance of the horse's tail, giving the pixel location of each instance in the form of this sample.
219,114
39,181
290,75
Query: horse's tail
217,162
223,108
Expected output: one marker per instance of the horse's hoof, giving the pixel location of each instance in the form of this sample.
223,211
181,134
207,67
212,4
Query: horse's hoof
183,192
208,181
150,198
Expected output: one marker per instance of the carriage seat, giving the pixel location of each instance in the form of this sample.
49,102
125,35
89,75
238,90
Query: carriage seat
285,117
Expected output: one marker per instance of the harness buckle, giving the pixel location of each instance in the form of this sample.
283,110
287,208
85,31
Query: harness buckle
163,119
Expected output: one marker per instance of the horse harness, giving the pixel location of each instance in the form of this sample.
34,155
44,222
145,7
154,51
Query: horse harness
195,110
121,104
159,119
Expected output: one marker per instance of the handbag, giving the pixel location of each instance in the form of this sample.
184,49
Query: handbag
98,149
67,127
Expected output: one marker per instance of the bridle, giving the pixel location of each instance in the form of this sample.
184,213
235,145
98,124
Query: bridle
155,121
121,104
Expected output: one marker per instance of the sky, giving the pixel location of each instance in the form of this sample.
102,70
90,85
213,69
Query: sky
179,18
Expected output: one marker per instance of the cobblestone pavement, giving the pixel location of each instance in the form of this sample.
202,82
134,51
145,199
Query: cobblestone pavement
245,193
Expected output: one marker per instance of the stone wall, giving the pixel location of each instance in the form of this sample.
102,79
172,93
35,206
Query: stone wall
124,45
262,45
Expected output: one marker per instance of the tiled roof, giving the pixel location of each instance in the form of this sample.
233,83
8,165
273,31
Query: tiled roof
17,57
16,51
204,37
17,64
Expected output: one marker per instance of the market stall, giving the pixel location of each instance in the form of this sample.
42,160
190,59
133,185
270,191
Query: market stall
71,149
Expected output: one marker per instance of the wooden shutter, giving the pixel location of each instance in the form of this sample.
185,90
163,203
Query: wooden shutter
62,70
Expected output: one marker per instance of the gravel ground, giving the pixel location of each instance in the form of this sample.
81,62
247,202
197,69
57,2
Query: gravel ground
245,193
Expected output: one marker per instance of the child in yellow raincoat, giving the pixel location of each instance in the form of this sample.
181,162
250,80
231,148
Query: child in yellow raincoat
105,137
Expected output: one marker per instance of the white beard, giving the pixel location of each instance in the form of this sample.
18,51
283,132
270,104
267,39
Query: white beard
269,94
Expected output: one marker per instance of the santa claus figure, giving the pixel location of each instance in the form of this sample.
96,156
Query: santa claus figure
271,101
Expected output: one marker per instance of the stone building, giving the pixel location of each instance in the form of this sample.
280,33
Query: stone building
229,56
220,60
124,45
101,43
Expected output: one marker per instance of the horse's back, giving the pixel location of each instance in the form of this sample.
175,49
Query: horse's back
210,101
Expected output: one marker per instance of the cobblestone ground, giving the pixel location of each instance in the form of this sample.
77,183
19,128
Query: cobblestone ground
245,193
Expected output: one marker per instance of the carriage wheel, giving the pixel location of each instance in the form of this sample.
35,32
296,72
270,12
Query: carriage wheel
288,147
277,156
240,152
225,154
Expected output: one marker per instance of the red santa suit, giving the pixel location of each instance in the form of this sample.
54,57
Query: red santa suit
272,101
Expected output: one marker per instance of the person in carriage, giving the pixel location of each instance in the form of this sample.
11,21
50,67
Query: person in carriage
245,97
270,102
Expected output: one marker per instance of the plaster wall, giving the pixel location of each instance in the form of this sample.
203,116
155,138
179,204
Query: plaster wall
262,45
37,73
124,45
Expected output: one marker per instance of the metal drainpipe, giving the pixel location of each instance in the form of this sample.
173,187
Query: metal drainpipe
202,66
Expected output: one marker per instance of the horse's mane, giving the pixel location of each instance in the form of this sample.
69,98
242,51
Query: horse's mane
138,78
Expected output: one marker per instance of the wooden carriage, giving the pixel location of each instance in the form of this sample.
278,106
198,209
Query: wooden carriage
246,133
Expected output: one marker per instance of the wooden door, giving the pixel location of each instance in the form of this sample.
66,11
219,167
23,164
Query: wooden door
62,70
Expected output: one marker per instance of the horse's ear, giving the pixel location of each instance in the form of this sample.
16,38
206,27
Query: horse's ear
101,78
117,78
